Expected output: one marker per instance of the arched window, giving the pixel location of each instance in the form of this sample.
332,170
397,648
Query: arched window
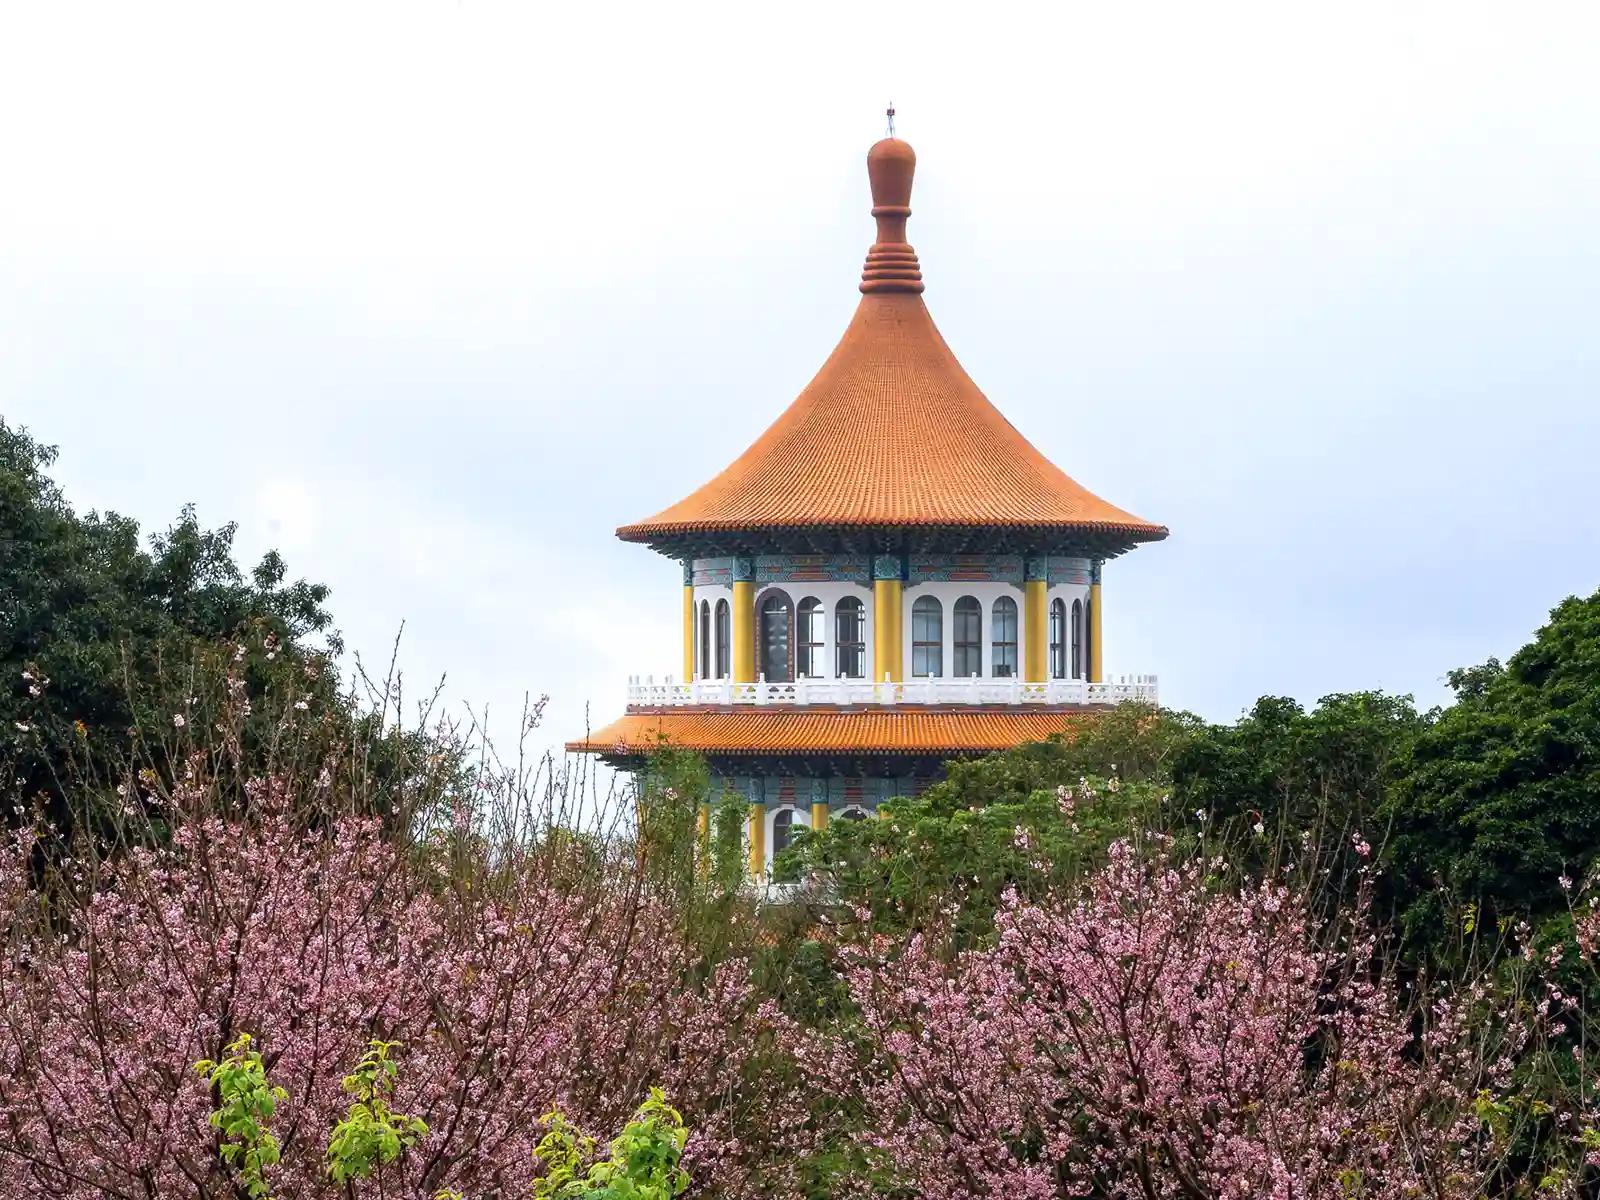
723,639
968,638
811,662
1088,624
775,637
1058,639
1077,639
927,638
704,627
850,637
783,823
853,814
1004,638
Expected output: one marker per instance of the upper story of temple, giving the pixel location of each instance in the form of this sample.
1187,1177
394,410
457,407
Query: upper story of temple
891,539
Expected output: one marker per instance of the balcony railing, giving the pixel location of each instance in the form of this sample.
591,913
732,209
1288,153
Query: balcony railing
647,693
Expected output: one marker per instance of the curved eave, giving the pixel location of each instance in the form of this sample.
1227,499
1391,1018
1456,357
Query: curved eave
920,731
1099,539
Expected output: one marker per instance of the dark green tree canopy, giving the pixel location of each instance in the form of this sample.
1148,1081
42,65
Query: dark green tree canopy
90,617
1500,797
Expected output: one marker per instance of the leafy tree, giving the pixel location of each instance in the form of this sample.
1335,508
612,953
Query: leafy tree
1500,797
1290,769
644,1162
924,856
93,626
247,1102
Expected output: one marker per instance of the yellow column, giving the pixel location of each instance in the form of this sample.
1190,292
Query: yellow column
744,631
758,840
887,597
819,817
702,826
1035,632
1097,665
688,633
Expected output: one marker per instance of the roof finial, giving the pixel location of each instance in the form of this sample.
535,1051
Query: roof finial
891,263
891,120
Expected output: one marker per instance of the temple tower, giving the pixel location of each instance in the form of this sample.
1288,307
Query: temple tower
889,578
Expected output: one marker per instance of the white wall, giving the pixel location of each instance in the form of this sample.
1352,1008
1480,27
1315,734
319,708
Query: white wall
947,594
1067,593
711,594
802,818
830,594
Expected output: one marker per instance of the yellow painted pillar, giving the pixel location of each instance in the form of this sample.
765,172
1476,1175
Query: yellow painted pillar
744,631
1035,631
819,817
887,597
688,631
758,840
1097,665
702,826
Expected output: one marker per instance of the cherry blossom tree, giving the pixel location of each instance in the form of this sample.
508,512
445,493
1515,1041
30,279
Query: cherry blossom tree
1167,1033
513,979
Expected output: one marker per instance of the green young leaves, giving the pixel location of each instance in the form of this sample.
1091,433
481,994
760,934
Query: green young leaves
371,1134
644,1162
246,1103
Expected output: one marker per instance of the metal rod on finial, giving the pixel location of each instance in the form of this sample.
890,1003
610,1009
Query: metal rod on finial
891,119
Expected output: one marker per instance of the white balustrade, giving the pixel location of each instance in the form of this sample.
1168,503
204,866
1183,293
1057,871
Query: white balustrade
713,693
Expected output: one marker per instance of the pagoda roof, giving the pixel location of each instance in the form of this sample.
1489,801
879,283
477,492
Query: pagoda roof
892,433
763,732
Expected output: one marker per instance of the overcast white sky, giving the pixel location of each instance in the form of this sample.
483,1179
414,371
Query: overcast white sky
432,297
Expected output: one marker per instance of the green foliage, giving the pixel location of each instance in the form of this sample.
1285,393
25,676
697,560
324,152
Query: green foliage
1293,770
726,853
371,1134
1498,799
1131,742
946,850
93,624
668,794
245,1104
644,1162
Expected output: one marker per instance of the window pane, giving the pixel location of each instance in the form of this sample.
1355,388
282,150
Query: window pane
809,661
775,638
722,639
849,636
1058,640
968,649
703,635
927,638
1077,639
782,831
1005,637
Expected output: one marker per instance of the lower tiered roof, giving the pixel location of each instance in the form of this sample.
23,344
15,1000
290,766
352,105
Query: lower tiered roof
885,731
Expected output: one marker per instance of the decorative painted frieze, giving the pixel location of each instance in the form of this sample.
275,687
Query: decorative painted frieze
1074,571
812,568
713,572
966,568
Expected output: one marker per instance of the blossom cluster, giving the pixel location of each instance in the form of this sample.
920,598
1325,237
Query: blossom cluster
520,986
1159,1035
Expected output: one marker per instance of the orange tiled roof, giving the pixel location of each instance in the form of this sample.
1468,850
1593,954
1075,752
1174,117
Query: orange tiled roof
876,730
892,431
